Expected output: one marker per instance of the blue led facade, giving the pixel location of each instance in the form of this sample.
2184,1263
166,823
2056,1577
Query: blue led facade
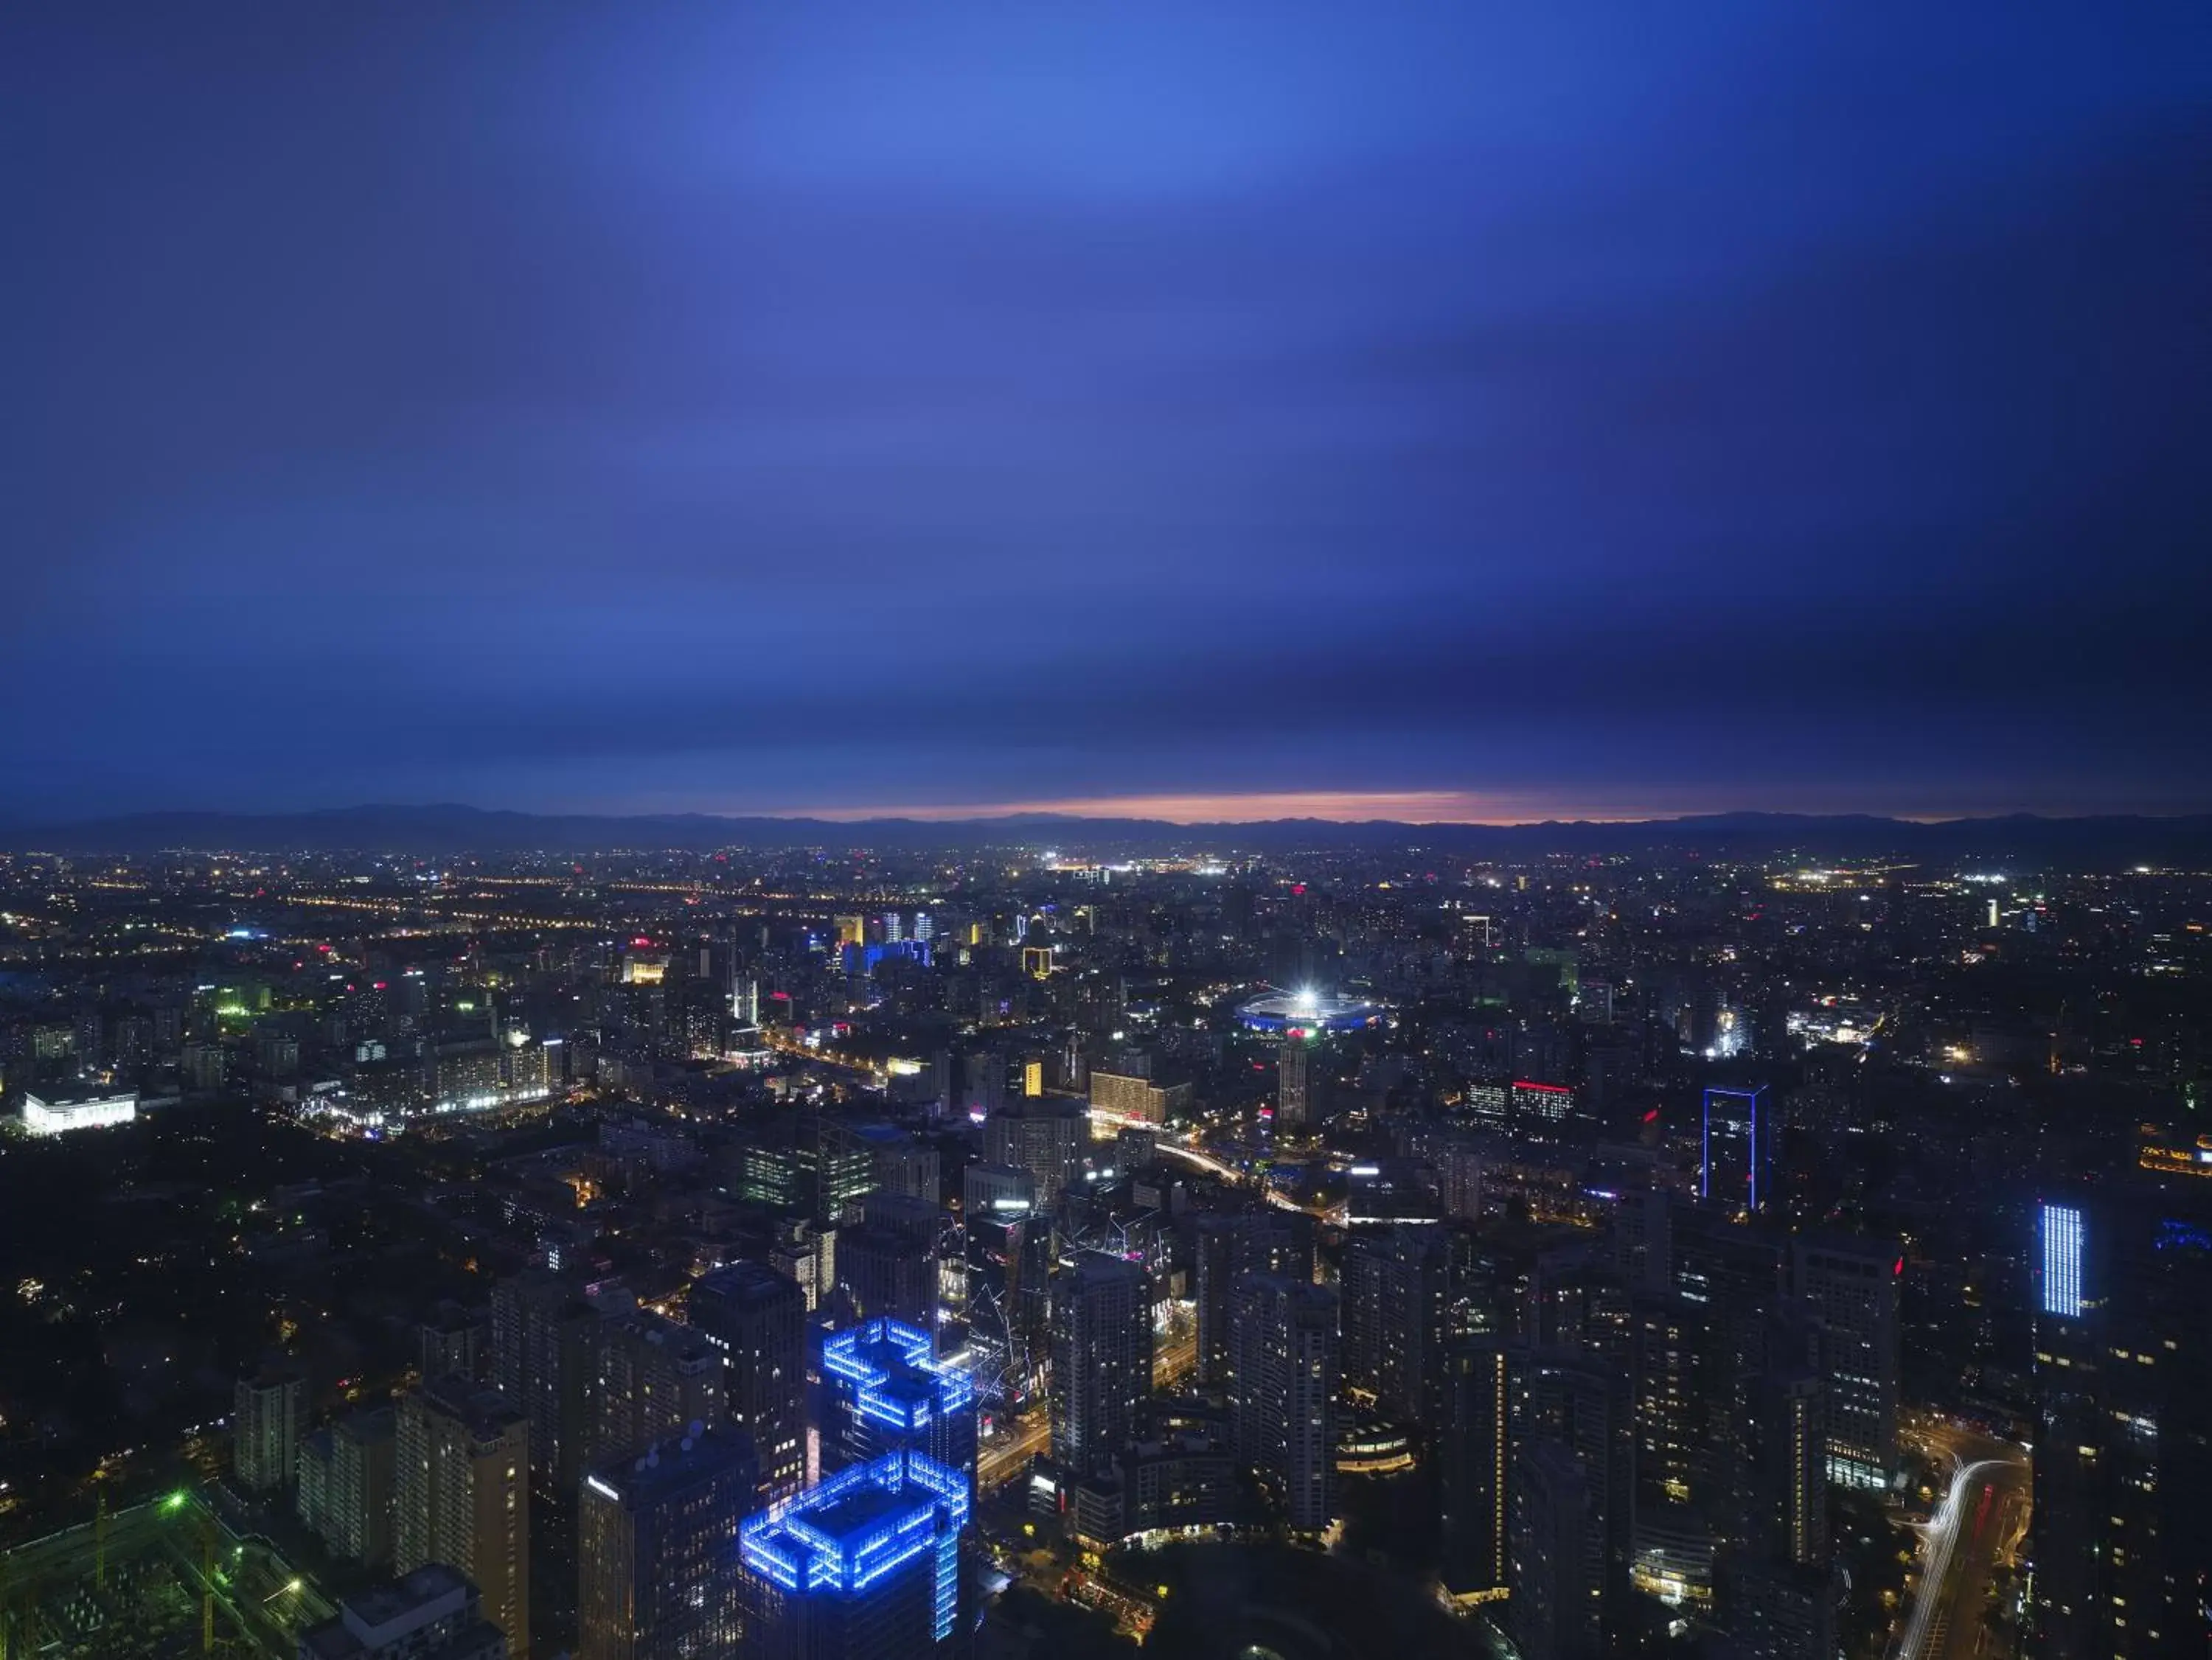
852,1535
2062,1260
888,1389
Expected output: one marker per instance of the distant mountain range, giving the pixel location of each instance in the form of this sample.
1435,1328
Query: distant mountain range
2082,843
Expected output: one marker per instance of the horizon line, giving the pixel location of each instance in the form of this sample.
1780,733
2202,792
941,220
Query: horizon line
1415,809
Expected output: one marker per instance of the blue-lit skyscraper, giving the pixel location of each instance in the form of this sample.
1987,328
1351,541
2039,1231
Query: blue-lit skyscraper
1736,1169
864,1566
886,1391
2061,1262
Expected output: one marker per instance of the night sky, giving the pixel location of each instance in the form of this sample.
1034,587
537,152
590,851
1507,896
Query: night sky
1416,409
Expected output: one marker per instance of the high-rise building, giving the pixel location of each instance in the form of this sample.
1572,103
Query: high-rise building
1125,1098
1044,1137
542,1335
1102,1359
461,1487
1394,1285
1293,1093
757,1318
886,1390
1475,1464
452,1339
902,1165
347,1474
989,1190
1736,1169
865,1565
808,1166
1282,1393
1557,1567
656,1578
1231,1245
887,1270
1008,1302
1851,1282
2118,1544
1556,1563
649,1377
431,1613
268,1410
1579,1401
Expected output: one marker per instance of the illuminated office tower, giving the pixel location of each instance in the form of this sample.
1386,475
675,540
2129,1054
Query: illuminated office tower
656,1578
1736,1170
461,1495
1851,1282
757,1318
1293,1090
1102,1359
1282,1393
865,1565
2119,1544
1475,1464
885,1391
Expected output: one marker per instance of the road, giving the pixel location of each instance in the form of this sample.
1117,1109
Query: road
1975,1531
1007,1455
1205,1160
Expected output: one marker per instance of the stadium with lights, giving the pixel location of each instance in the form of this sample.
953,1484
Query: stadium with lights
1308,1012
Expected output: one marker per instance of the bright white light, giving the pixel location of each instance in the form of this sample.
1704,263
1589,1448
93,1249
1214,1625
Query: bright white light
2062,1260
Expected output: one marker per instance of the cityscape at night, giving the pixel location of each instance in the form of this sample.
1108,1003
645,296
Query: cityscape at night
1245,832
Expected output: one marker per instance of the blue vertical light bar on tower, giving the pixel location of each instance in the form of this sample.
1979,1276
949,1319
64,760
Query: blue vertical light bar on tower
2062,1260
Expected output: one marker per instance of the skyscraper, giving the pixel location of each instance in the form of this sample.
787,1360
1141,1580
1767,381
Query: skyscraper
885,1390
1579,1401
1851,1282
1282,1393
268,1410
648,1378
346,1477
656,1578
1735,1171
1558,1562
541,1340
462,1481
1231,1245
865,1565
1102,1359
1475,1464
2118,1543
885,1268
1394,1284
1046,1138
1293,1093
757,1318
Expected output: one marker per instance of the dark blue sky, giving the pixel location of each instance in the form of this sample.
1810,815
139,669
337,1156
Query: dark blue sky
1446,409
